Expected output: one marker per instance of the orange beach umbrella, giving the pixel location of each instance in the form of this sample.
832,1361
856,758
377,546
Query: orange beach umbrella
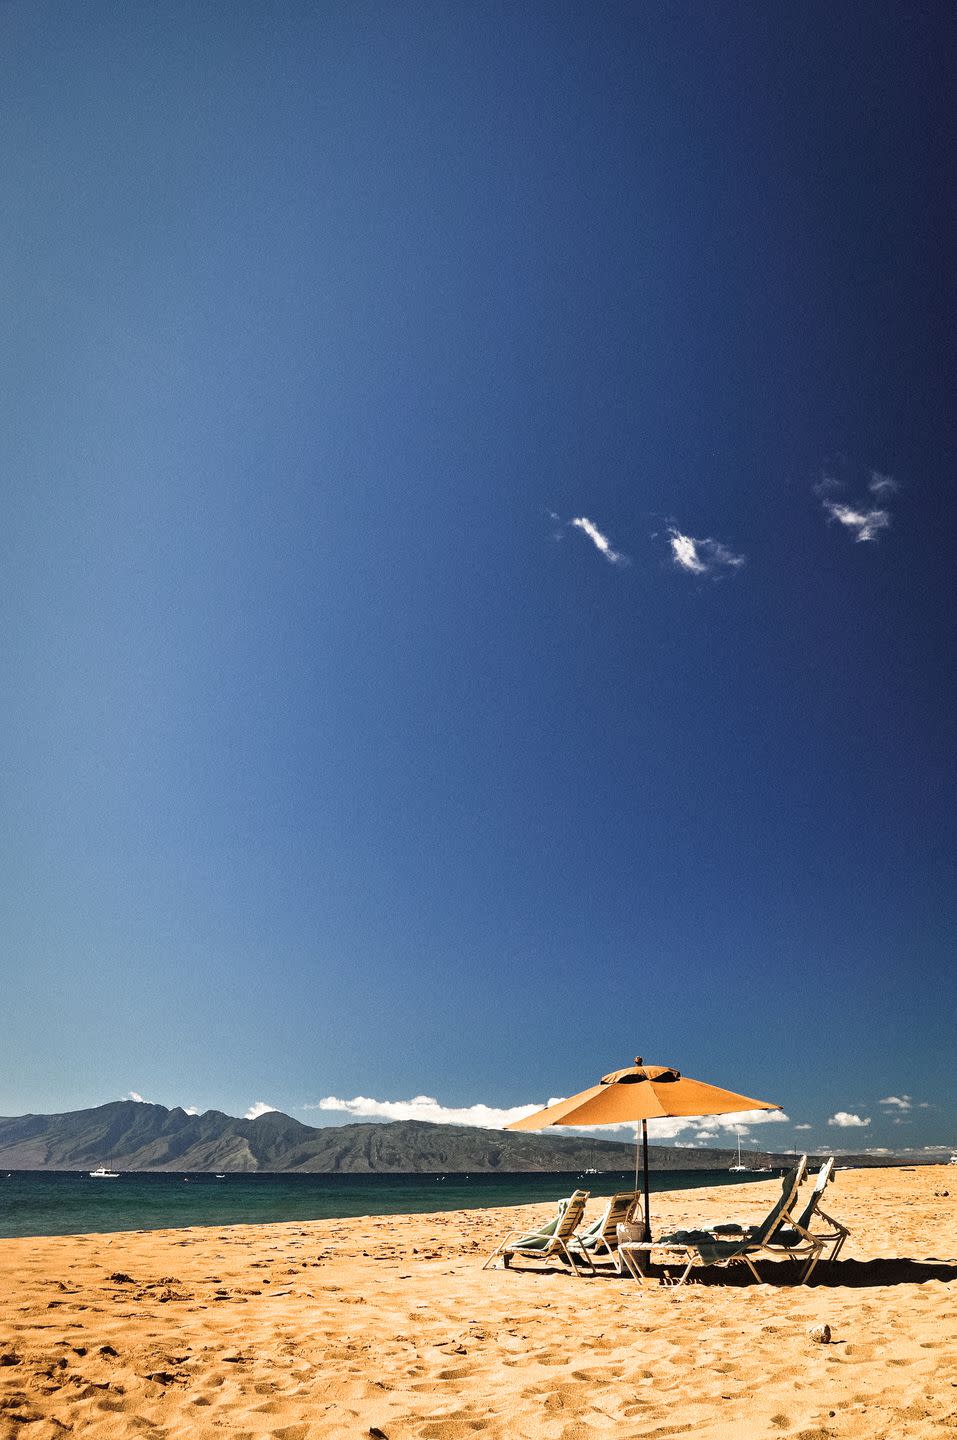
641,1092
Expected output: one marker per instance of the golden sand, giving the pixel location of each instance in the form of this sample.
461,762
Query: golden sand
389,1327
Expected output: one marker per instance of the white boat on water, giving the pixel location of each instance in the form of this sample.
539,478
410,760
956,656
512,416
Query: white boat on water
103,1174
737,1167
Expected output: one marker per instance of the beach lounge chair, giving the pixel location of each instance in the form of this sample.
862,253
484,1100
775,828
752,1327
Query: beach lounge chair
800,1236
600,1238
721,1245
804,1236
551,1239
531,1239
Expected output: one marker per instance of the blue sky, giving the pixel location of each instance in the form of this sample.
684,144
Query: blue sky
477,587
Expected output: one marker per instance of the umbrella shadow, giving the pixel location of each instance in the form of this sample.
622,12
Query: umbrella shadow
886,1271
850,1274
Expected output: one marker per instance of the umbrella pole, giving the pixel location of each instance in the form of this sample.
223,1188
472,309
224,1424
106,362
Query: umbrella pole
644,1156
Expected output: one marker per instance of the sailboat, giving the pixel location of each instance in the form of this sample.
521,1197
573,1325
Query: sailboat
738,1167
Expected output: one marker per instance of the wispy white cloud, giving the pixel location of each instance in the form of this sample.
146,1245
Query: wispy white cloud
846,1121
426,1107
863,520
804,1127
259,1108
600,541
864,524
882,484
685,552
701,557
897,1102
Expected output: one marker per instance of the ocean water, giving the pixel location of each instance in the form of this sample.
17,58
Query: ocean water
71,1203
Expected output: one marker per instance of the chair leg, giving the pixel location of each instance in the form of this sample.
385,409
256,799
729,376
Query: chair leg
631,1266
751,1266
571,1258
811,1264
603,1245
687,1270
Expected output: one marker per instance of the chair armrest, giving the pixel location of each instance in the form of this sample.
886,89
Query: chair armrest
831,1221
517,1235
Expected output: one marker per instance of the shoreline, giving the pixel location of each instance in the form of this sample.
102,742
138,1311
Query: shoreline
340,1327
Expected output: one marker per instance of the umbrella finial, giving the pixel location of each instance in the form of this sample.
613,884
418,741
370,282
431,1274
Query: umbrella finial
638,1060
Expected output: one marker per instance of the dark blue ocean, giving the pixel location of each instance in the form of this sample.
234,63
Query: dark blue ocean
71,1203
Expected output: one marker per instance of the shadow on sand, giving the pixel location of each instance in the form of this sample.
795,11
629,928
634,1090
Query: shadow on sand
851,1274
863,1273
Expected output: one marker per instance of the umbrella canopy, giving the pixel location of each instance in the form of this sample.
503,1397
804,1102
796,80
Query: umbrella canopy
641,1093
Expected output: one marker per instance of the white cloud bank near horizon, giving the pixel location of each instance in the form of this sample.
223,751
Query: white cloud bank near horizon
489,1117
426,1107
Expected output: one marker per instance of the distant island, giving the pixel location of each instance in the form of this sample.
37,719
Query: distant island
132,1135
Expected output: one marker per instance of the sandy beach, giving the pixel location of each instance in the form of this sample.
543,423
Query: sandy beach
389,1327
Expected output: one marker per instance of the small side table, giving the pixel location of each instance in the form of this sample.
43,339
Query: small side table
633,1253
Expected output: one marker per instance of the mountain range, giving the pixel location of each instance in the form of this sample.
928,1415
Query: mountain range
133,1135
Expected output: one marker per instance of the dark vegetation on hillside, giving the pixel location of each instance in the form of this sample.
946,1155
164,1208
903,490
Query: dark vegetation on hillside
130,1135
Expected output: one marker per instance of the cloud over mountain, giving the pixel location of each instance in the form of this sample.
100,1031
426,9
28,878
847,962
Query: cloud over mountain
425,1107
